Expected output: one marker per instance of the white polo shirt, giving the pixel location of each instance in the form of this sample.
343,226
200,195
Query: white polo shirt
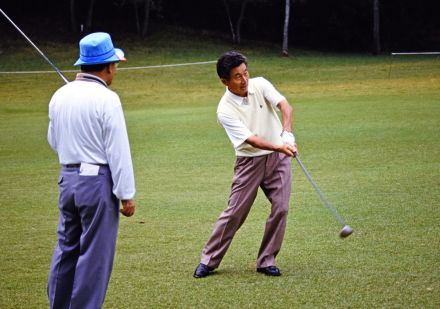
86,124
236,130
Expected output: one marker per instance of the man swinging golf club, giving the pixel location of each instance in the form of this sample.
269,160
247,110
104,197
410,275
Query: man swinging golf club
87,130
263,147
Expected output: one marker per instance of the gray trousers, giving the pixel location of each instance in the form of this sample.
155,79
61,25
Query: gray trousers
274,175
83,257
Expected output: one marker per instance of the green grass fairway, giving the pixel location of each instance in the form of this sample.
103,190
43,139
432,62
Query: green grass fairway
368,129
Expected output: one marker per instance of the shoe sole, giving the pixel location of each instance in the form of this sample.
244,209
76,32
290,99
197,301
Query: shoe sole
198,277
268,274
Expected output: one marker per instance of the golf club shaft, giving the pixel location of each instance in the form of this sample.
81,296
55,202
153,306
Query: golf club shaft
321,195
35,46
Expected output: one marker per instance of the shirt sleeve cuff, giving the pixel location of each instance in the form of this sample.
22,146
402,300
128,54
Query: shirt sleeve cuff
240,142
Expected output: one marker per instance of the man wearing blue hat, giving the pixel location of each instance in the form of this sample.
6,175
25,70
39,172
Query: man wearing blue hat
87,130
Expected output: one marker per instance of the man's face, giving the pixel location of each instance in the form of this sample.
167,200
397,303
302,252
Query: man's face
238,80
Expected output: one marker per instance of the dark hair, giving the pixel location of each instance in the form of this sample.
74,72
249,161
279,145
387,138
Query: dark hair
227,62
94,67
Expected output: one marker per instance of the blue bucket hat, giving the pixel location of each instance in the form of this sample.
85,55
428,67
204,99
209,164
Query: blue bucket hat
97,48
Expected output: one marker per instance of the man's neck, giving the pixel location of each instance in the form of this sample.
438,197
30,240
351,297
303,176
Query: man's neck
239,95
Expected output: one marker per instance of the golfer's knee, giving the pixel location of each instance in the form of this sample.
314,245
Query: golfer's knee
281,211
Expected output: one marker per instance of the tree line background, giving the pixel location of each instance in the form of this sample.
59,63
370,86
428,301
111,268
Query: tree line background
337,25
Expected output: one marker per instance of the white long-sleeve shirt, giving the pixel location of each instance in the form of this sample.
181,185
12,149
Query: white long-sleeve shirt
87,125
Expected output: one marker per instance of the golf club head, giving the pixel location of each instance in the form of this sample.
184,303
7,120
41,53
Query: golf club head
346,231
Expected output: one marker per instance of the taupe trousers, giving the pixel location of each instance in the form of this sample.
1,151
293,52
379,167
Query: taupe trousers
273,174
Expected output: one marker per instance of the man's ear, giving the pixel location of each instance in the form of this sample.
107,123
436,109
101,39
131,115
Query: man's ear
224,81
111,67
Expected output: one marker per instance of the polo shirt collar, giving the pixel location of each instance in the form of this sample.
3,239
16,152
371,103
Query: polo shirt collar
90,78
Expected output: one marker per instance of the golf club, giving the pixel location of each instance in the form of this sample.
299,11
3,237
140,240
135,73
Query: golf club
346,229
41,53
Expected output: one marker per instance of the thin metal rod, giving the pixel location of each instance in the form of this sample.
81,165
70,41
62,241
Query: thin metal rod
321,195
415,53
35,46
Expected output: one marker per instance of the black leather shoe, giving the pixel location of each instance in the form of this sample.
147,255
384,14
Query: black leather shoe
269,271
202,270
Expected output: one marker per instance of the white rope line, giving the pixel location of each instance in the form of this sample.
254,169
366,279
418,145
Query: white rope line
119,69
414,53
167,65
34,72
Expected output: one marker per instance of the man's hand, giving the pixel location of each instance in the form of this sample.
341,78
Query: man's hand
288,138
128,207
258,142
289,150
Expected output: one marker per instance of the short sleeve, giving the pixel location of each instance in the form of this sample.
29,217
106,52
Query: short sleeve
237,132
271,94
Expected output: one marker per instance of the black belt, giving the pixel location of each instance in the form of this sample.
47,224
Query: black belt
77,165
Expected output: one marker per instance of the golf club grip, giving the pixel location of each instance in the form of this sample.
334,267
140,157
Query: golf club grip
35,46
321,195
